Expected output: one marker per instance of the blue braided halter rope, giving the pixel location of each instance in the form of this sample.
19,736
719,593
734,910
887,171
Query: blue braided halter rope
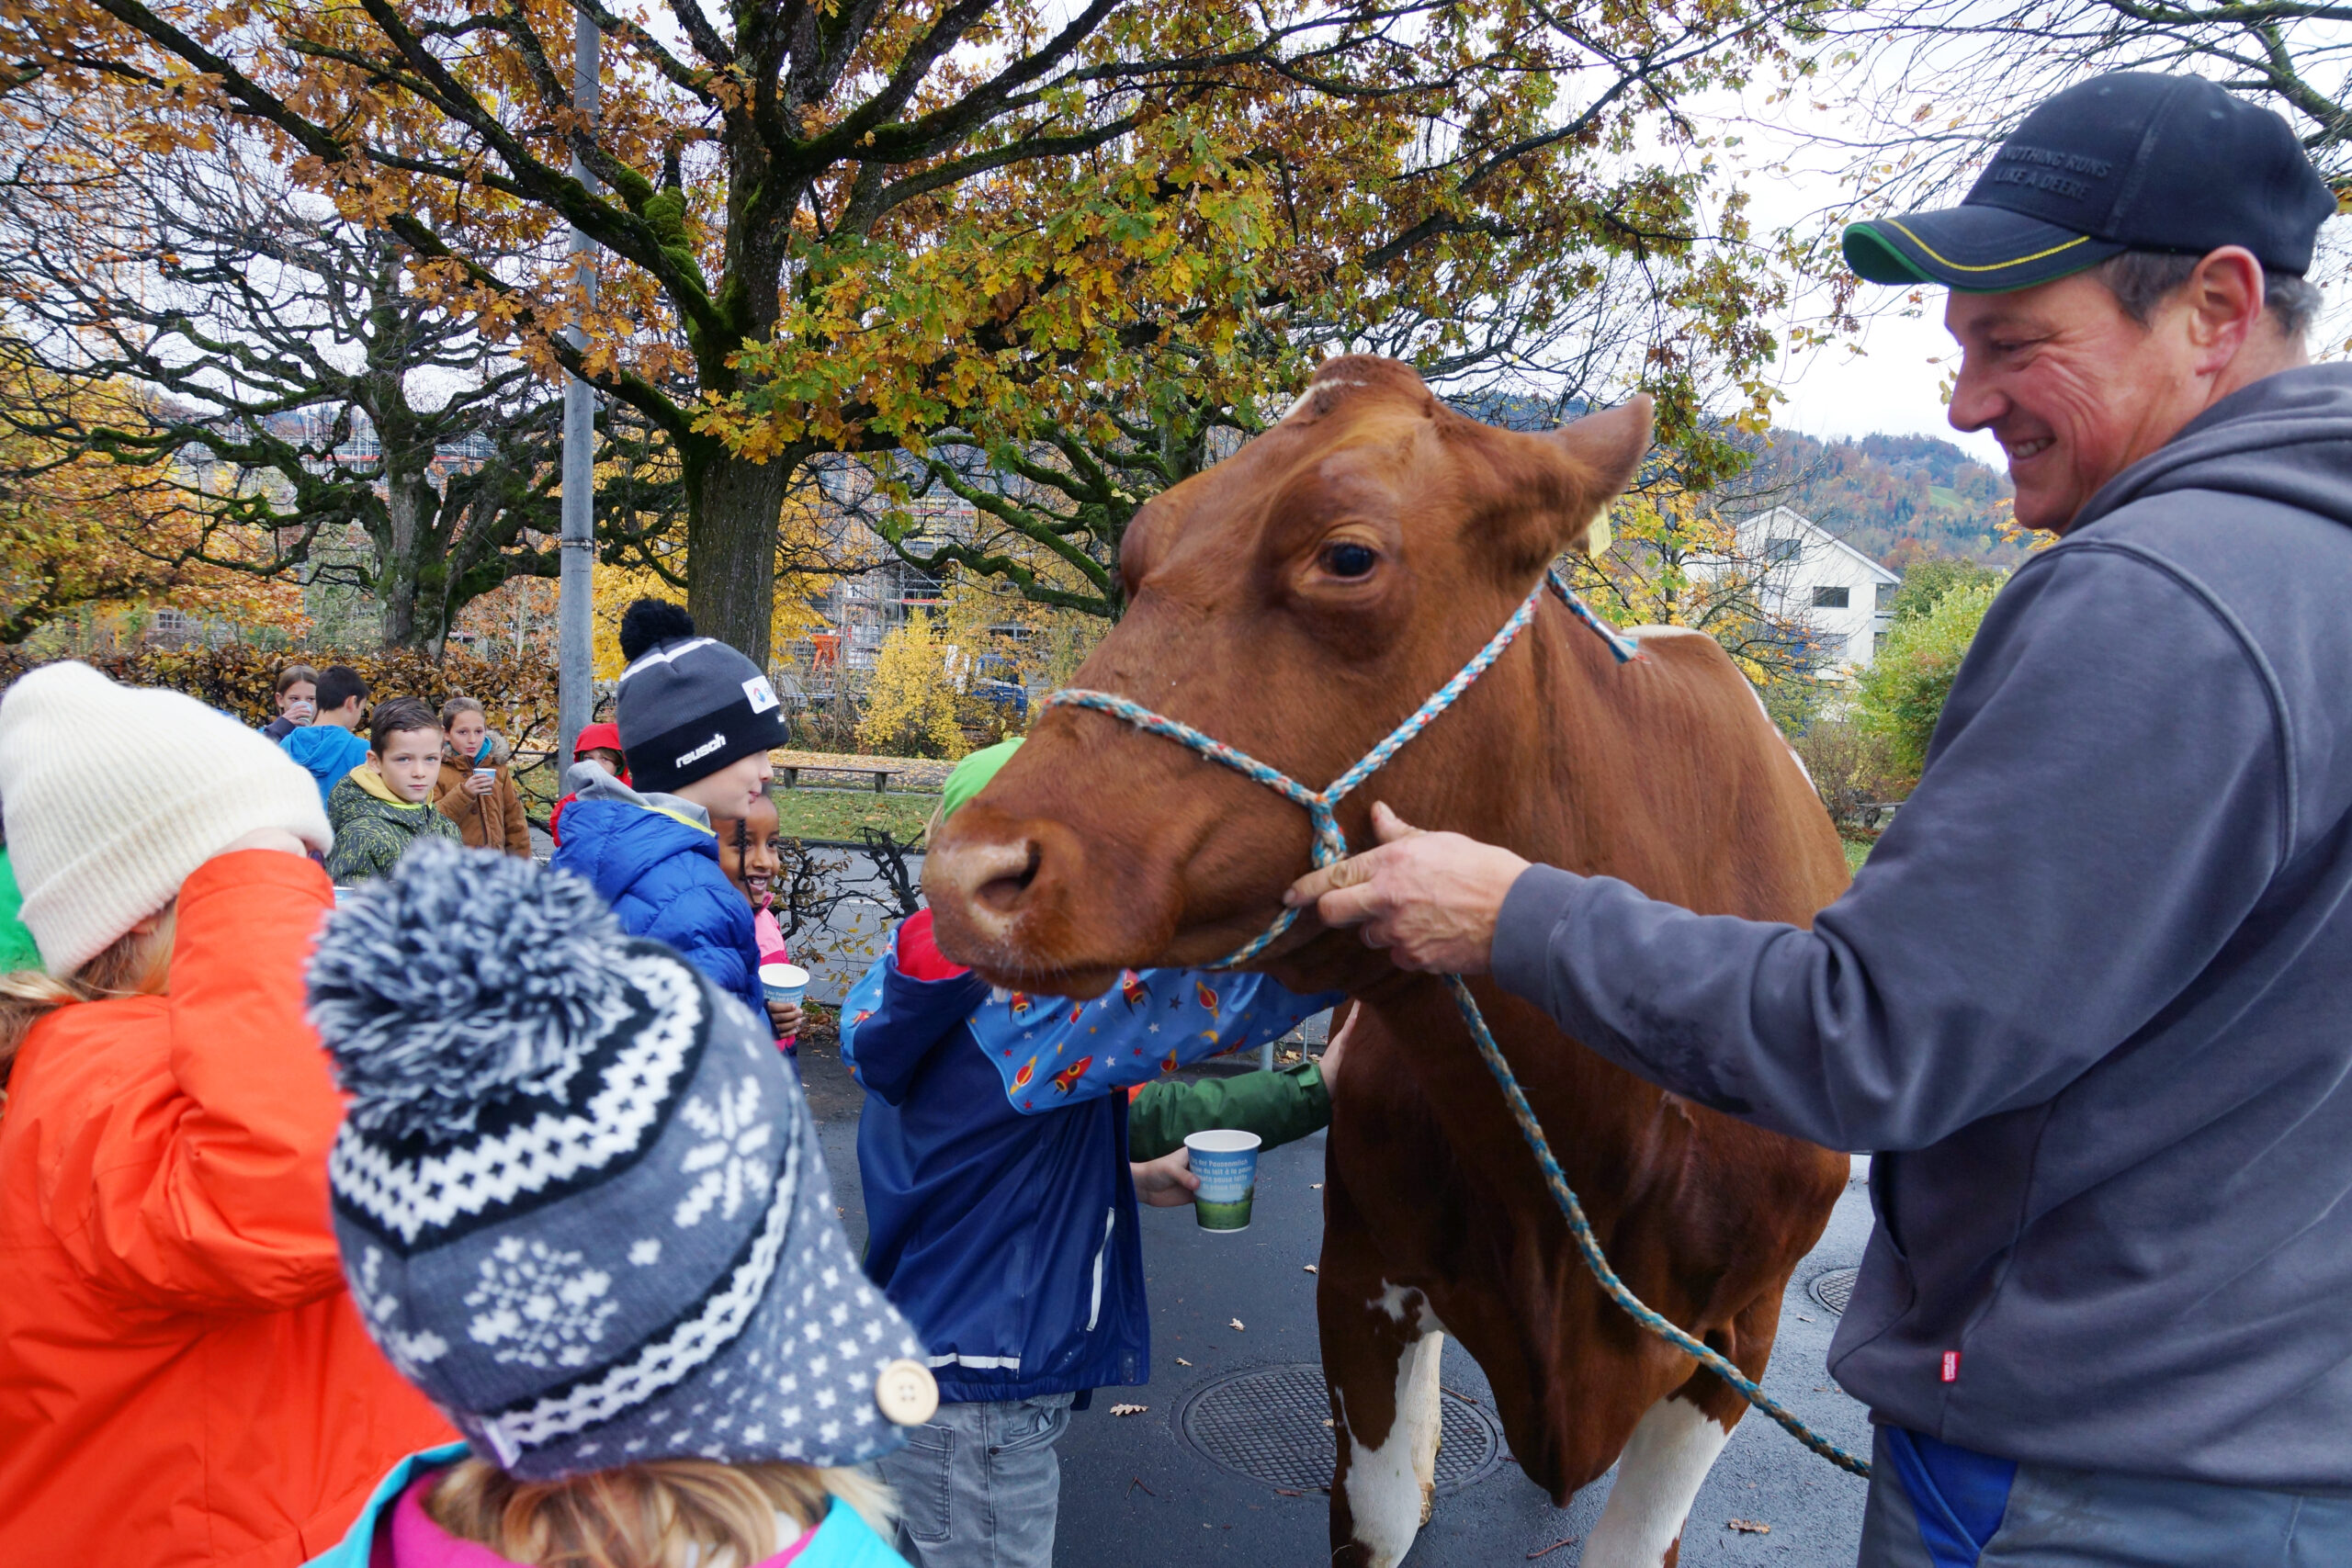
1330,845
1595,1260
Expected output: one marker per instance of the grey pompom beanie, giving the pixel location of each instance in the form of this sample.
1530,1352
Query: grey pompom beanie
689,706
578,1196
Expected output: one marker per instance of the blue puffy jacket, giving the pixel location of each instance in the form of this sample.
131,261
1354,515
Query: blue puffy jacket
994,1150
655,861
327,751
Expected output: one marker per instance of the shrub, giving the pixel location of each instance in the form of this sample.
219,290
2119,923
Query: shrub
1853,769
1902,694
911,702
517,694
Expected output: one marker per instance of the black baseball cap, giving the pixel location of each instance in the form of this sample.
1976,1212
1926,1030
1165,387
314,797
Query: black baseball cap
2132,161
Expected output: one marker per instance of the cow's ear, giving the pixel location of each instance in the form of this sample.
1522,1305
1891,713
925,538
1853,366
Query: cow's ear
1607,448
1551,492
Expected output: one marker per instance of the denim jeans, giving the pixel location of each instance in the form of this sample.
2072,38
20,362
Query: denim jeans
2088,1518
978,1484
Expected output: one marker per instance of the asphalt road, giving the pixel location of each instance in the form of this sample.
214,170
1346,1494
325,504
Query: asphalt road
1133,1490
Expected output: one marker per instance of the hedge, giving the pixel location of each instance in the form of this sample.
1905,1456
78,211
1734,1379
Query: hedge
518,695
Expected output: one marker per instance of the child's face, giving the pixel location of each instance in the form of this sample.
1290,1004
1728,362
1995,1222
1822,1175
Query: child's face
465,736
299,701
734,789
605,758
751,851
410,761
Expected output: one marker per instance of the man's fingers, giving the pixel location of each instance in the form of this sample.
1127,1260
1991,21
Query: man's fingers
1349,907
1388,827
1353,872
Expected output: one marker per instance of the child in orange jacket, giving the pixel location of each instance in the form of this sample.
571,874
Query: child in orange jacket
183,1377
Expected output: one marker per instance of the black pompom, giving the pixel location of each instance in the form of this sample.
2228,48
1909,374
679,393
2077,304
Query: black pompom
650,623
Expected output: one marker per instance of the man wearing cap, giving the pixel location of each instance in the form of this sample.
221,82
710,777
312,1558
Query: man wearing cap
2090,1000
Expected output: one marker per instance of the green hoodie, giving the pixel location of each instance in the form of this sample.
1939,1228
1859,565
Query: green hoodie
373,829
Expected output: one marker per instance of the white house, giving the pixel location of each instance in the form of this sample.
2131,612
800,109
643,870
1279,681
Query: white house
1816,577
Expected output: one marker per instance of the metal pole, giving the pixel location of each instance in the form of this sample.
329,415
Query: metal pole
575,590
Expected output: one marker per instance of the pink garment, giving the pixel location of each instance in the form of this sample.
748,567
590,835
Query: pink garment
770,936
416,1541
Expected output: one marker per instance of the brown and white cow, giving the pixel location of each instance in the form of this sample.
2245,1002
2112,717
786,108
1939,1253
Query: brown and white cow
1298,601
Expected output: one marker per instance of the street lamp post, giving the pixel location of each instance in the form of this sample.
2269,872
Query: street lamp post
575,593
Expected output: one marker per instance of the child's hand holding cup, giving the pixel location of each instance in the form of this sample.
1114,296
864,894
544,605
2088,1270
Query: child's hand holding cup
783,985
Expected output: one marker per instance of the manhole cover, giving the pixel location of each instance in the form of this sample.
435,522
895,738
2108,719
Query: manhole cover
1269,1424
1835,1288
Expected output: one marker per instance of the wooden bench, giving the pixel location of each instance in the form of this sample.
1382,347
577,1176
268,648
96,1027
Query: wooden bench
791,774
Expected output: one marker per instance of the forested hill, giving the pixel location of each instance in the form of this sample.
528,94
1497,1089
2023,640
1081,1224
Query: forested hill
1897,498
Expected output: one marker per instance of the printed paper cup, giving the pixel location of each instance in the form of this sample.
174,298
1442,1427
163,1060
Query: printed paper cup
784,982
1227,1163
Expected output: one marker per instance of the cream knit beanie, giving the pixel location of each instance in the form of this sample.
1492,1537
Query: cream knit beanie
114,794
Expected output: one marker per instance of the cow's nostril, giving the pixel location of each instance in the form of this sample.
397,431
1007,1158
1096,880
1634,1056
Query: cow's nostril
1001,892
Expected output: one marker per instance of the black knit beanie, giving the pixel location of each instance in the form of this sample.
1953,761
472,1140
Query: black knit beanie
689,706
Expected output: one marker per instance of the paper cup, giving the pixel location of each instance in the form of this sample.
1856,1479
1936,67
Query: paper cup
486,773
1227,1163
784,982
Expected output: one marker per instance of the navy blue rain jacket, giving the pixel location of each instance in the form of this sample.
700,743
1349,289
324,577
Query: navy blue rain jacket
1000,1214
659,870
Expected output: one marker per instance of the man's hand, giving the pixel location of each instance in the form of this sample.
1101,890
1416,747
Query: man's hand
1429,899
1166,1182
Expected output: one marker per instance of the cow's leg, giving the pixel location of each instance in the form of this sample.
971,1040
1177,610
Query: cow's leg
1658,1474
1381,1349
1675,1445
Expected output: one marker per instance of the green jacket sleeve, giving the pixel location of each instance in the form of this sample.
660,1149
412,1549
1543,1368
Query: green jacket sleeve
1279,1107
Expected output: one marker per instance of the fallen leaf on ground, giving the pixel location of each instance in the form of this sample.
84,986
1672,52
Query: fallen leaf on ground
1138,1481
1327,1420
1130,1409
1311,1268
1237,1323
1181,1363
1315,1187
1564,1540
1288,1492
1748,1526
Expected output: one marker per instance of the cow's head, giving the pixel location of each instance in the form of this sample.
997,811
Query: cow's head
1297,601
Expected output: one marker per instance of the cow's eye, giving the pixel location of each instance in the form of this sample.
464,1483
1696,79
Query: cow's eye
1349,560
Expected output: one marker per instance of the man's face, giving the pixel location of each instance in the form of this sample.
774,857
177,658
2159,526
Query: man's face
2074,390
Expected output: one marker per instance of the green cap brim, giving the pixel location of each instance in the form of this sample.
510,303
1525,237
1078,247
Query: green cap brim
1975,249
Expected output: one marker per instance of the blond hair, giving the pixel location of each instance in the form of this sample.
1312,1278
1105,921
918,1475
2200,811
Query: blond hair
136,964
658,1515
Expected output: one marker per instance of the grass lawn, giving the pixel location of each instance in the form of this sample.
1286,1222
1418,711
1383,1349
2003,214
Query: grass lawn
1857,851
840,812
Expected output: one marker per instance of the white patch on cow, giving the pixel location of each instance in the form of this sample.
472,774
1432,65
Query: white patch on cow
1298,402
1406,1305
1658,1476
1388,1487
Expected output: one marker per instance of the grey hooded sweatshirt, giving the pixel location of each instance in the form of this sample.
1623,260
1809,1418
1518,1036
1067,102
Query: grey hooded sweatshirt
2090,1000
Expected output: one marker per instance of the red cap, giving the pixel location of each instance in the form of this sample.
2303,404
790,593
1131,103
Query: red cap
597,738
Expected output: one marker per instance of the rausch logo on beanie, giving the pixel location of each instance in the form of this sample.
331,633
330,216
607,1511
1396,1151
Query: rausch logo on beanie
688,704
579,1197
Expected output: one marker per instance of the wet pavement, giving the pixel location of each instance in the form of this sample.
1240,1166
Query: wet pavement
1133,1490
